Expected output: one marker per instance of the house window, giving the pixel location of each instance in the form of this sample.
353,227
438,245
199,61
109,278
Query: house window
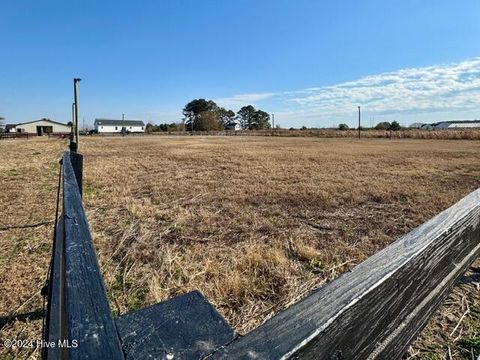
116,127
142,127
101,127
130,127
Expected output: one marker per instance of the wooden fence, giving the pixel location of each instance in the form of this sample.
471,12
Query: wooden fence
374,311
58,135
17,135
78,309
14,135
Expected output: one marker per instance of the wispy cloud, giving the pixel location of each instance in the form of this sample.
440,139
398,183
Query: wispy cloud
238,101
413,93
433,88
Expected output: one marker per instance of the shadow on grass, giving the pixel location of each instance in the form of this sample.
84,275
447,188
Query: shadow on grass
9,319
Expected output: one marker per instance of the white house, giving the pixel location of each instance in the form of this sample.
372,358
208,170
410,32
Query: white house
40,127
234,125
116,126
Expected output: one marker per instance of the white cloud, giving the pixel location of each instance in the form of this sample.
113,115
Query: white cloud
237,101
433,88
428,93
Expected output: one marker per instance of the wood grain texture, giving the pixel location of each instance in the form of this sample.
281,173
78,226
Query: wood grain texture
184,327
55,318
88,315
76,160
377,309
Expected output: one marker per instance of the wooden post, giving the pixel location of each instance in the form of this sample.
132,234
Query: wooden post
273,124
359,126
75,95
77,165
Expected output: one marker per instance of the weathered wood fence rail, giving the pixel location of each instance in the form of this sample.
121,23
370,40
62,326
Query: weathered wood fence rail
374,311
15,135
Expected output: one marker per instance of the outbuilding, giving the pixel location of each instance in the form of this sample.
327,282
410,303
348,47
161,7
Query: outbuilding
42,127
118,126
11,128
233,125
458,124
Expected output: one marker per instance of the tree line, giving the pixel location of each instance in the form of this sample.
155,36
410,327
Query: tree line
206,115
172,127
384,125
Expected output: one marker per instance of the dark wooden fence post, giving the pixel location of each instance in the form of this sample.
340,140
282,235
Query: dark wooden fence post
77,164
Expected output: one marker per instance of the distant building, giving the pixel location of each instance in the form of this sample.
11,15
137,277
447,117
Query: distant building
9,128
454,124
458,124
116,126
416,125
234,125
427,127
2,124
39,127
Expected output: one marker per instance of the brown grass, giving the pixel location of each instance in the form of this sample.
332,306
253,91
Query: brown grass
454,330
254,223
28,182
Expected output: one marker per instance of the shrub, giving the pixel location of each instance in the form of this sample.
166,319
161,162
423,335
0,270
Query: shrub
385,125
395,126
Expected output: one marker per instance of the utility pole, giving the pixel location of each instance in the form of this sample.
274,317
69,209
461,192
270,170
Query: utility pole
75,90
359,135
72,128
273,123
75,131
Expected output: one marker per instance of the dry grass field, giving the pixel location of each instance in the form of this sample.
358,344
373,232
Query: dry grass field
254,223
457,134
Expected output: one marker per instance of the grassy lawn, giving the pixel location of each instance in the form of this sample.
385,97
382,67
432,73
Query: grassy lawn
254,223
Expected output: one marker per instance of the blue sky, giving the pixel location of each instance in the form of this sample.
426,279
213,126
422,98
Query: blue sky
309,62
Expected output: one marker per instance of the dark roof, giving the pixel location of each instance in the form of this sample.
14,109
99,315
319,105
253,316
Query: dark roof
10,126
231,125
112,122
44,119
